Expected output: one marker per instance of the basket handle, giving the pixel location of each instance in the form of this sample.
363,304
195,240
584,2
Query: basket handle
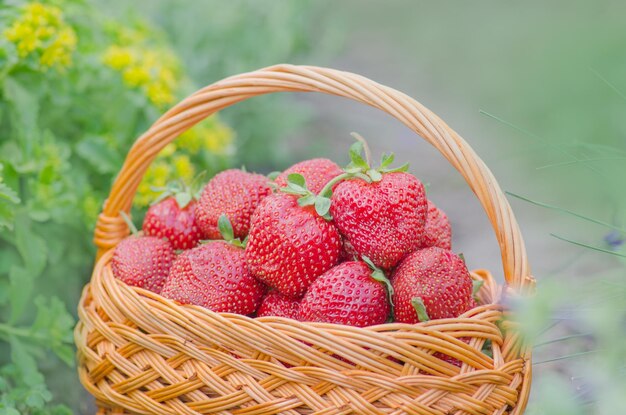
111,228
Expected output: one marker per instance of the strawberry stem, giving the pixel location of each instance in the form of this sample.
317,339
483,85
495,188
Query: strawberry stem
379,275
327,190
129,222
420,309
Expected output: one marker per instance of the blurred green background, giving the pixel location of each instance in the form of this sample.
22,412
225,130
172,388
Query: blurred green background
537,88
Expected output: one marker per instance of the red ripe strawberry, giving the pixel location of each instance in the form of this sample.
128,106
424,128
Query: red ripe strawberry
438,229
289,246
316,172
383,220
174,221
215,276
346,294
143,261
235,193
276,304
434,280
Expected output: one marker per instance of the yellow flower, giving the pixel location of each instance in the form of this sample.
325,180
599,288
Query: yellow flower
168,150
136,76
219,139
190,140
211,135
152,72
118,57
184,169
41,31
159,94
59,51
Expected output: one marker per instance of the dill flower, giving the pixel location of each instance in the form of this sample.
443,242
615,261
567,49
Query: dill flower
41,32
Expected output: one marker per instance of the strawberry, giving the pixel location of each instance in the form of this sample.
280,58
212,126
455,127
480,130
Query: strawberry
215,276
175,221
347,294
380,212
143,261
383,220
235,193
276,304
431,283
316,172
289,245
438,230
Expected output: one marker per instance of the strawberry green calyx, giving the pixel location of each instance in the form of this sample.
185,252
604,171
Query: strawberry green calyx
359,165
226,229
296,185
420,309
358,168
476,286
273,175
182,192
379,275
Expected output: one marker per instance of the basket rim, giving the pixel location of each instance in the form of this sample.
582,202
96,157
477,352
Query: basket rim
111,227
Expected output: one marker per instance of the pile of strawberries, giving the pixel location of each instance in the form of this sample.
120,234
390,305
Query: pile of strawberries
358,246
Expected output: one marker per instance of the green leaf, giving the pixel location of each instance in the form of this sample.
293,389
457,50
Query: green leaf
183,199
307,200
356,151
322,205
25,363
296,185
21,284
403,168
31,247
8,203
54,323
7,216
297,179
420,309
8,194
273,175
387,159
476,286
25,110
99,154
225,227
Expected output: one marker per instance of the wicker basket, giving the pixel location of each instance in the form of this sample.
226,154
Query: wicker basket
141,353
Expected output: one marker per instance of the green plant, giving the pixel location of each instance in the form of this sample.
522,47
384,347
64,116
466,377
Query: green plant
76,88
578,325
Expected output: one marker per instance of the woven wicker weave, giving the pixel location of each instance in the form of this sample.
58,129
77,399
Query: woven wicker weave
141,353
